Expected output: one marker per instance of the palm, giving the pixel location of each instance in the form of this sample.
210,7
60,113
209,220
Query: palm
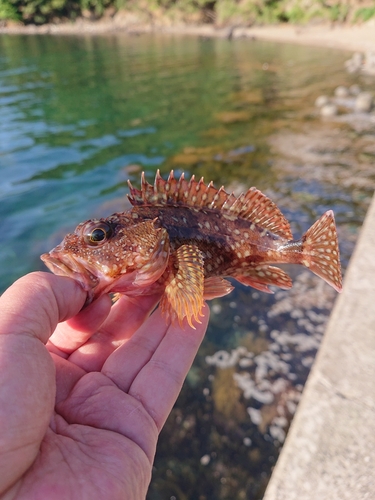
109,396
93,441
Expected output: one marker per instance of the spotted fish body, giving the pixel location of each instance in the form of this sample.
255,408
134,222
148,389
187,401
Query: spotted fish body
183,237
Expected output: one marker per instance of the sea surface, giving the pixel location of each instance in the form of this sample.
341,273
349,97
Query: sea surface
79,115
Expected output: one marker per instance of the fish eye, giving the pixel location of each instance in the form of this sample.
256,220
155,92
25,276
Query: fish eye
98,233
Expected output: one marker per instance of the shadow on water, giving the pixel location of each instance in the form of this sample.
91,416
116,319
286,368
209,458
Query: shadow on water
80,115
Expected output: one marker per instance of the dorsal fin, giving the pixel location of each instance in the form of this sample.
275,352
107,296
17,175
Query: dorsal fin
252,205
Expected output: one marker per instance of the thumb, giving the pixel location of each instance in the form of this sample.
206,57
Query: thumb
30,310
35,303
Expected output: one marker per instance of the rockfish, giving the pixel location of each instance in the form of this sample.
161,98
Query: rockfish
181,238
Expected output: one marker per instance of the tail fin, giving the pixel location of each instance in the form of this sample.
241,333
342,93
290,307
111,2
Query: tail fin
320,250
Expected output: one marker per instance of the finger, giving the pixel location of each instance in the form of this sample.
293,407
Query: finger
30,311
37,302
71,334
137,352
126,316
157,362
67,376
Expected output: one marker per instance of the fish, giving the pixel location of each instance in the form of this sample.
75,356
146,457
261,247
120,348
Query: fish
183,238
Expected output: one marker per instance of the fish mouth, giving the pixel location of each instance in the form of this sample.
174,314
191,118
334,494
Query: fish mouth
65,265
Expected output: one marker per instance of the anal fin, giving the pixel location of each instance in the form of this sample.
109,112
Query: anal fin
216,287
183,295
259,276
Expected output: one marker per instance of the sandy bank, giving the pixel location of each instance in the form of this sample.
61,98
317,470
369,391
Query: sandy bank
356,38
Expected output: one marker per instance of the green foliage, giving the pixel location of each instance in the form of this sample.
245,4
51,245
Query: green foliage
296,14
8,11
244,12
249,12
303,11
225,10
42,11
364,14
97,7
338,12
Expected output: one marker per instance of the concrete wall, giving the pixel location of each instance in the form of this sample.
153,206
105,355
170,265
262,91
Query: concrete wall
330,449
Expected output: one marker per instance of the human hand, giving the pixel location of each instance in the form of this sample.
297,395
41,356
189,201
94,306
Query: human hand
82,400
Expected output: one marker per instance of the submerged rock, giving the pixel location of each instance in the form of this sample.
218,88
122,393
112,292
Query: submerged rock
341,91
361,62
355,63
354,89
321,101
369,65
329,110
364,102
233,116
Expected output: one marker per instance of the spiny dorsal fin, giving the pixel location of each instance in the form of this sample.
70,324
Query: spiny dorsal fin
252,205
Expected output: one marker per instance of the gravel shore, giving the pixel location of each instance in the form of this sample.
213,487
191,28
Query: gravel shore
355,38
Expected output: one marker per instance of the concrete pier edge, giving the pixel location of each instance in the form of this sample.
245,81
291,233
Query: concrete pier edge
329,452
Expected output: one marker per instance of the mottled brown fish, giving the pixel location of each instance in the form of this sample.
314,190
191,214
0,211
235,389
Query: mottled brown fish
182,237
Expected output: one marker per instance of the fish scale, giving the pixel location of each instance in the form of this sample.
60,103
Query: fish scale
183,237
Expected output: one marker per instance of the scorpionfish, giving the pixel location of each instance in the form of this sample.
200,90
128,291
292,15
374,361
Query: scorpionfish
181,238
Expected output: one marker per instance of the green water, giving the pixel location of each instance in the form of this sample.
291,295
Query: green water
81,114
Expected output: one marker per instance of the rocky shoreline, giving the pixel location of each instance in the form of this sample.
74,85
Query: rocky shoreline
346,37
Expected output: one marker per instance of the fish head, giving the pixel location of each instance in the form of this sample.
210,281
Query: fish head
111,255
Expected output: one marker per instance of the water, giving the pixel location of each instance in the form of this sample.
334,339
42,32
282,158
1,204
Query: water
80,115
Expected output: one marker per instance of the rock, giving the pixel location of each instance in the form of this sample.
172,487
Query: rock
205,460
354,89
355,63
233,116
363,102
322,100
369,65
132,168
341,91
328,110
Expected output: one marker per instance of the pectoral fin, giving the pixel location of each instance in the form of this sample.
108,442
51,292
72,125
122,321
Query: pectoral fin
183,296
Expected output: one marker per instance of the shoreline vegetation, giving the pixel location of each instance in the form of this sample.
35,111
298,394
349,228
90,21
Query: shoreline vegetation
218,12
315,22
